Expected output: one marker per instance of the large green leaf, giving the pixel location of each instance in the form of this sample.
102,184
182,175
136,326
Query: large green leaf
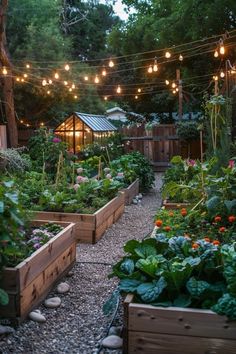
230,205
127,266
129,285
149,292
130,246
150,265
4,299
13,197
182,301
212,204
146,248
197,287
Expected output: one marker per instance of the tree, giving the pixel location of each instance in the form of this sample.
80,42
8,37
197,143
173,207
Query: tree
7,80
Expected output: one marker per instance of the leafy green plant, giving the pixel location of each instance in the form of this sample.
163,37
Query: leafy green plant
12,220
173,272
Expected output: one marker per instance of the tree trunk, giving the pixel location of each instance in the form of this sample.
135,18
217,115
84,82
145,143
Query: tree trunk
7,81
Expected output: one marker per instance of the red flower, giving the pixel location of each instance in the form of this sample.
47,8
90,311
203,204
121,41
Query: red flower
159,223
231,164
167,228
207,239
216,242
222,229
217,218
183,212
231,218
195,245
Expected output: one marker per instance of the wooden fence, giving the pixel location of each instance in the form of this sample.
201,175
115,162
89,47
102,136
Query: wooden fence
159,144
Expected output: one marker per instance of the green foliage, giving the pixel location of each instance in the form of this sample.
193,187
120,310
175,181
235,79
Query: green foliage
12,160
188,130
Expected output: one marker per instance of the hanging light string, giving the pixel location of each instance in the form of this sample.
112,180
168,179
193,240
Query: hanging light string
226,35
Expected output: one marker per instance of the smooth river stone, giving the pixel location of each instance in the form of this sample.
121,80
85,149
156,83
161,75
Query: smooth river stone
112,342
37,317
52,302
63,288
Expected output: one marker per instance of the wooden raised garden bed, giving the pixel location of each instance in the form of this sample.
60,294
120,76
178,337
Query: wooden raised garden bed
171,205
131,191
29,282
89,228
175,330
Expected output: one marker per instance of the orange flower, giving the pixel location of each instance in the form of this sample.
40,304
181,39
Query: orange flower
167,228
217,218
195,245
231,218
171,213
222,229
183,212
207,239
216,242
159,223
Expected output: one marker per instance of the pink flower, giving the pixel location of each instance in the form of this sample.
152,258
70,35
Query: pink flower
109,176
231,164
56,140
80,170
76,186
79,179
191,162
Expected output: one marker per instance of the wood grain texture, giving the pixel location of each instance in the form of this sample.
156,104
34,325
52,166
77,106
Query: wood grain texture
131,191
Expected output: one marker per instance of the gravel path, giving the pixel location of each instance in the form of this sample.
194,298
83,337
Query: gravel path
78,325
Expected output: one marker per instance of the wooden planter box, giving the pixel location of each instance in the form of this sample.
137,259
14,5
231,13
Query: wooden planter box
173,206
131,191
175,330
29,282
89,228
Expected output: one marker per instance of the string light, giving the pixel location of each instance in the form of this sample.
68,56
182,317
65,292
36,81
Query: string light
150,69
173,85
48,92
25,75
96,80
56,75
222,74
27,125
167,55
104,73
75,96
155,66
22,80
216,53
181,58
27,66
65,83
136,97
139,90
118,90
105,98
42,124
17,79
67,67
215,77
4,70
111,64
50,81
86,78
174,92
167,82
73,86
21,121
44,82
176,89
222,48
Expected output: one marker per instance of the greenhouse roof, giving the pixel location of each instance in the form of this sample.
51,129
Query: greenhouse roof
97,123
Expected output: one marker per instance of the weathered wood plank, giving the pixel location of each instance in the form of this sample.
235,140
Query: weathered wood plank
131,191
180,321
153,343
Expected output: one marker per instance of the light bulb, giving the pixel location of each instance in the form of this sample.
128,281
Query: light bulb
50,81
173,85
181,58
215,78
174,92
167,55
48,92
4,70
42,124
136,97
150,69
75,96
56,75
73,86
104,73
44,82
176,89
25,75
118,90
21,121
96,80
222,74
27,125
222,50
216,53
67,67
111,64
70,89
167,82
139,90
105,98
27,66
155,66
65,83
17,79
86,78
22,80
